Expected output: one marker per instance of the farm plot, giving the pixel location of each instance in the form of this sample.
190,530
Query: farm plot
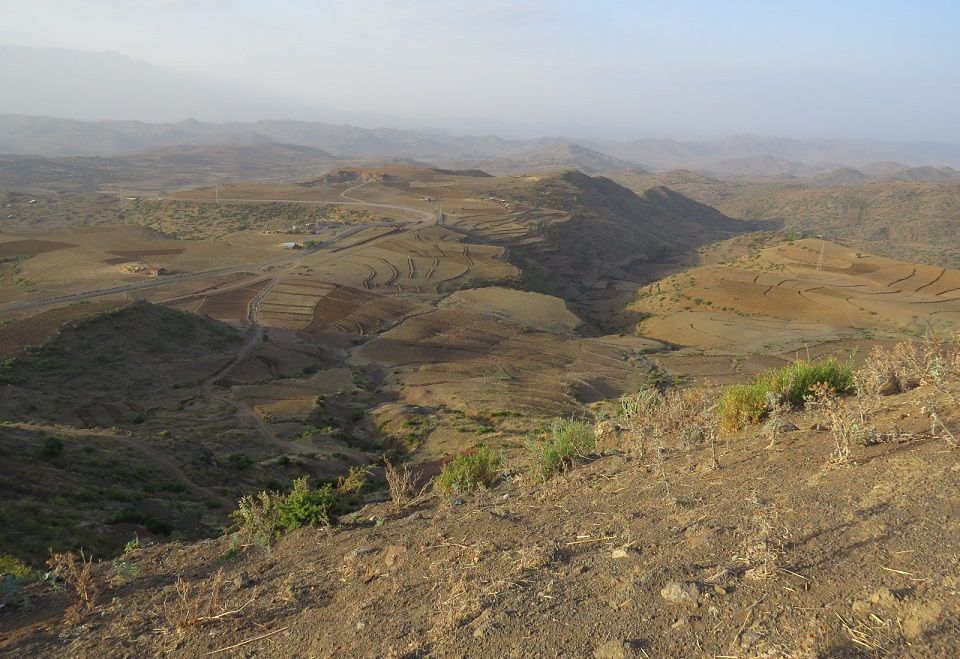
290,302
465,361
293,398
356,312
30,247
231,305
780,300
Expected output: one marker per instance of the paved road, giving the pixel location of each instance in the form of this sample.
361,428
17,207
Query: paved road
428,216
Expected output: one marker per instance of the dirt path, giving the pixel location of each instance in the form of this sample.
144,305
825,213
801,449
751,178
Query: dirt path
244,411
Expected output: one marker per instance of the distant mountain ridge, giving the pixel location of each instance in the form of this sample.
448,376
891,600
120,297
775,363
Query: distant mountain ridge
738,155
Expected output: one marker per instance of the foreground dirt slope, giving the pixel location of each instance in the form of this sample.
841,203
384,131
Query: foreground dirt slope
629,555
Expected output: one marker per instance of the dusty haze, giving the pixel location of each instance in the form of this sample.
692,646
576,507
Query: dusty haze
518,69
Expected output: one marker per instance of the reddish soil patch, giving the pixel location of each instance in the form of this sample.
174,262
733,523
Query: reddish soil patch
31,247
231,305
139,253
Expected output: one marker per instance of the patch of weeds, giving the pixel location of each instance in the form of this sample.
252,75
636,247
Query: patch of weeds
124,571
470,471
239,461
269,515
11,566
569,440
745,404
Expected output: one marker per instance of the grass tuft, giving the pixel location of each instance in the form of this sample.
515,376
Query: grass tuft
470,471
745,404
569,440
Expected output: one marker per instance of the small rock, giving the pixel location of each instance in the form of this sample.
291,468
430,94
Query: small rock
357,553
613,649
361,624
749,638
781,425
459,502
692,436
891,386
681,592
609,436
243,580
620,552
392,554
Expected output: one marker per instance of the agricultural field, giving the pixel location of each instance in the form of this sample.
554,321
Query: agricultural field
423,314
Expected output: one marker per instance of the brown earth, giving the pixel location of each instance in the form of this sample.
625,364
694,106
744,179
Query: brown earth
409,338
624,556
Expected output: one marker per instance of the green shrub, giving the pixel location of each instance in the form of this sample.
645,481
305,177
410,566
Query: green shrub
268,516
569,439
745,404
742,405
131,515
469,471
52,448
13,567
306,507
239,460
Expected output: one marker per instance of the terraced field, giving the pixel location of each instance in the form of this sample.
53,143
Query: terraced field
791,297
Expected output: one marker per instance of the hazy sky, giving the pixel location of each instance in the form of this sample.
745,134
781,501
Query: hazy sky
851,68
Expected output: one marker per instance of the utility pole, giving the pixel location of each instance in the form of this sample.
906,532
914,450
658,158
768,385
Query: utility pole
216,192
121,200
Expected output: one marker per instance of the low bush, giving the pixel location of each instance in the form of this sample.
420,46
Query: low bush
469,471
268,516
14,567
569,440
132,515
745,404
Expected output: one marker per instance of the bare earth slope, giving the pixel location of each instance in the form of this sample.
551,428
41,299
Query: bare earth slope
623,557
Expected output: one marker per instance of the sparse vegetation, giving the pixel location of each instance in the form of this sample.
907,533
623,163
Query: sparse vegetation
270,515
406,487
569,440
745,404
78,575
469,471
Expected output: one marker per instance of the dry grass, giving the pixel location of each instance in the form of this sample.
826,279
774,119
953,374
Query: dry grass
193,604
405,486
651,415
78,575
764,544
